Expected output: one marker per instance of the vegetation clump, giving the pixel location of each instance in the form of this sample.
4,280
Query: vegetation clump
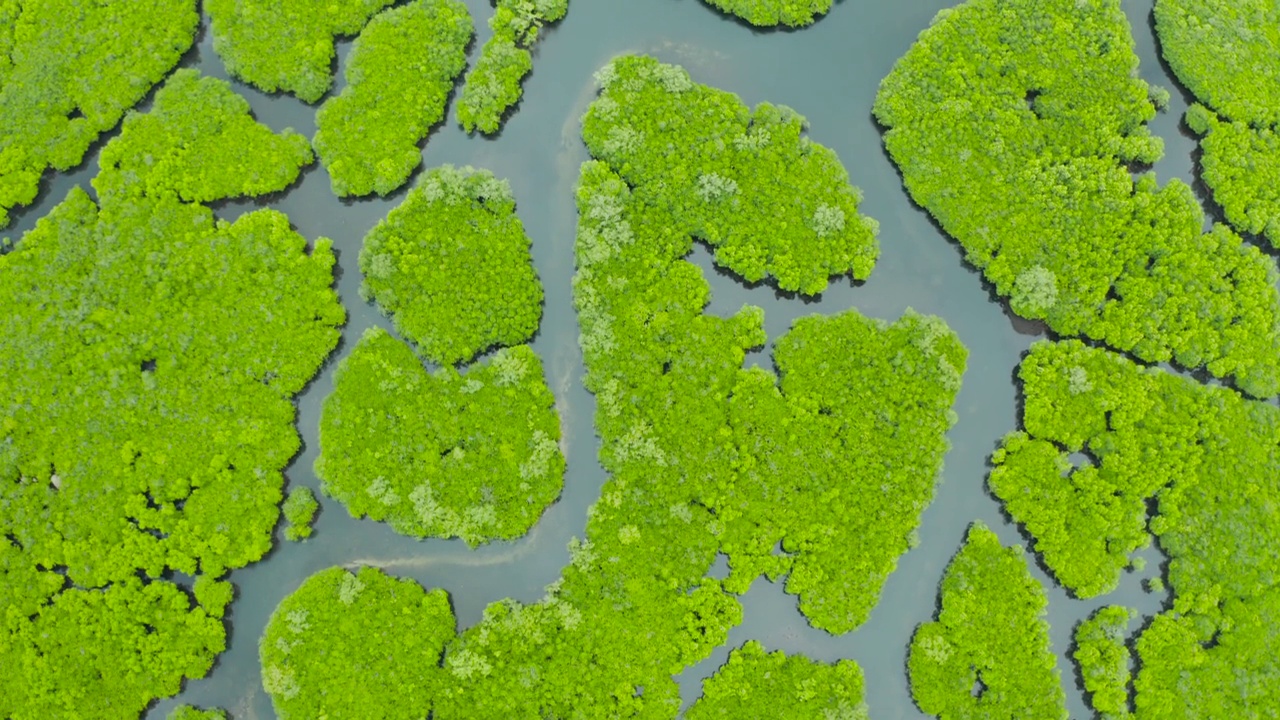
399,75
1103,659
1016,123
198,143
837,561
1225,53
149,356
451,266
474,456
988,653
771,13
493,85
285,45
754,683
299,510
188,712
750,184
1206,456
68,71
355,645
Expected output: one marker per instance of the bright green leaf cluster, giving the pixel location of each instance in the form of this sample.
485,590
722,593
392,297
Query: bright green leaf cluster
399,75
1015,123
1225,52
451,266
756,684
1103,658
1208,458
474,456
1240,162
493,85
173,343
68,71
299,510
149,356
213,595
355,645
198,143
285,45
750,184
187,712
843,518
988,653
771,13
1086,523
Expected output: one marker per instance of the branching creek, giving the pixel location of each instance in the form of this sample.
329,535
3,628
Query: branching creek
829,72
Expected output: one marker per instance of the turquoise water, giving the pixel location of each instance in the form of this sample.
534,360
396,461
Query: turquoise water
829,72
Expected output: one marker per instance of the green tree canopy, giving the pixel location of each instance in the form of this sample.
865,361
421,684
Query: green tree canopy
451,266
355,645
1207,457
187,712
770,201
149,356
399,75
198,143
1015,123
988,654
68,71
1103,658
771,13
493,86
285,45
756,684
1225,53
299,510
445,455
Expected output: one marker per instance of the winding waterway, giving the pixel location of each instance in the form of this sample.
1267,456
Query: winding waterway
829,72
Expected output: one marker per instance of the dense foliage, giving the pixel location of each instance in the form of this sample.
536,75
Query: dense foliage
756,684
1240,162
696,446
1226,53
187,712
68,71
446,455
355,645
987,655
493,85
1015,123
750,184
794,467
1103,658
451,266
299,510
285,45
769,13
399,75
198,143
148,360
1207,457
